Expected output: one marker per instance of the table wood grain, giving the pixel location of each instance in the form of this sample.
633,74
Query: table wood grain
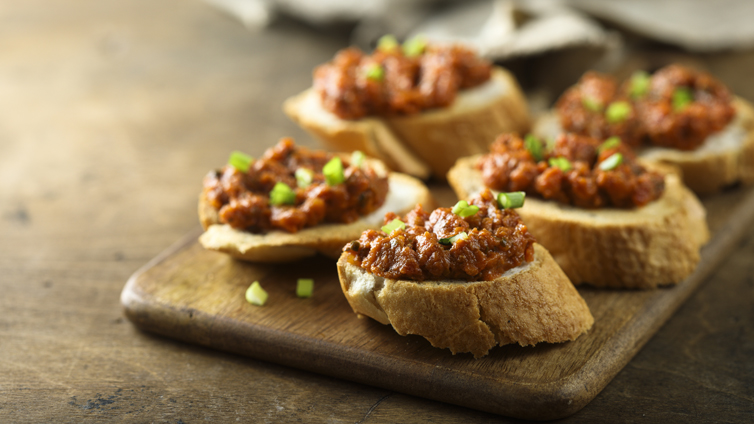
112,112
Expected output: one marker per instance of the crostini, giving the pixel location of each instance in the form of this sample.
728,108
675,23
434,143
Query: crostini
294,202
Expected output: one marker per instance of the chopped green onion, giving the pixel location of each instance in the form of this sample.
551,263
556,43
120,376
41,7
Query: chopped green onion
304,287
639,85
562,163
304,177
281,194
611,162
387,43
239,160
550,144
511,200
255,294
375,72
450,240
534,146
617,112
464,210
357,158
610,143
415,46
393,225
333,171
682,96
591,104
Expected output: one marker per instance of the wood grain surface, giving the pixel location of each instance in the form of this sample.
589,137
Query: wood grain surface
110,114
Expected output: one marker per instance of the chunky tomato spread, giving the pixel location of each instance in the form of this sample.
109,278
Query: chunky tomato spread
575,169
242,199
444,246
388,82
676,107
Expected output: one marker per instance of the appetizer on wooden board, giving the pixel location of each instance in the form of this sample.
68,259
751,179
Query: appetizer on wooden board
417,107
467,278
294,202
677,116
606,219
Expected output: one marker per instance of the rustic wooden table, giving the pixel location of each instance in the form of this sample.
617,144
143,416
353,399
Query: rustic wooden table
111,114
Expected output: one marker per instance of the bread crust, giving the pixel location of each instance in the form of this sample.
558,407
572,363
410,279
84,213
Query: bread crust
642,248
706,170
426,143
530,304
327,239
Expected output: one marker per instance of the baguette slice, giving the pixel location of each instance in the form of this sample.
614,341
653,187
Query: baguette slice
725,158
426,143
529,304
328,239
641,248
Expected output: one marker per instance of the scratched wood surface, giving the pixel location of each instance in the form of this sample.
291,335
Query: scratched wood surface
111,112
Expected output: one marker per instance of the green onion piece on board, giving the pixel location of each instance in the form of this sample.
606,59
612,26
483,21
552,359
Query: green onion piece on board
393,225
512,200
255,294
387,43
304,177
415,46
562,163
304,287
333,171
450,240
534,146
682,97
610,143
617,112
239,160
357,158
611,162
591,104
281,194
464,210
375,72
639,85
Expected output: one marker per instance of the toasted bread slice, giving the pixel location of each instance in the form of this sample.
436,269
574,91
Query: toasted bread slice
328,239
725,158
641,248
426,143
529,304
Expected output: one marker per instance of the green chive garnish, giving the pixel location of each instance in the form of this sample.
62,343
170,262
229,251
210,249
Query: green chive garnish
450,240
415,46
617,112
255,294
682,97
375,72
333,171
357,158
639,85
611,162
534,146
387,43
304,177
511,200
464,210
395,224
281,194
591,104
561,162
610,143
550,144
239,160
304,287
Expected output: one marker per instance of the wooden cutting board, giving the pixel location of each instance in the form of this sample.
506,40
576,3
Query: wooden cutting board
197,296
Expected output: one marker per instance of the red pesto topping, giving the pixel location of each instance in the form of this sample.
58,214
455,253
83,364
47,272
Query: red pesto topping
408,84
652,119
497,241
510,167
243,202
